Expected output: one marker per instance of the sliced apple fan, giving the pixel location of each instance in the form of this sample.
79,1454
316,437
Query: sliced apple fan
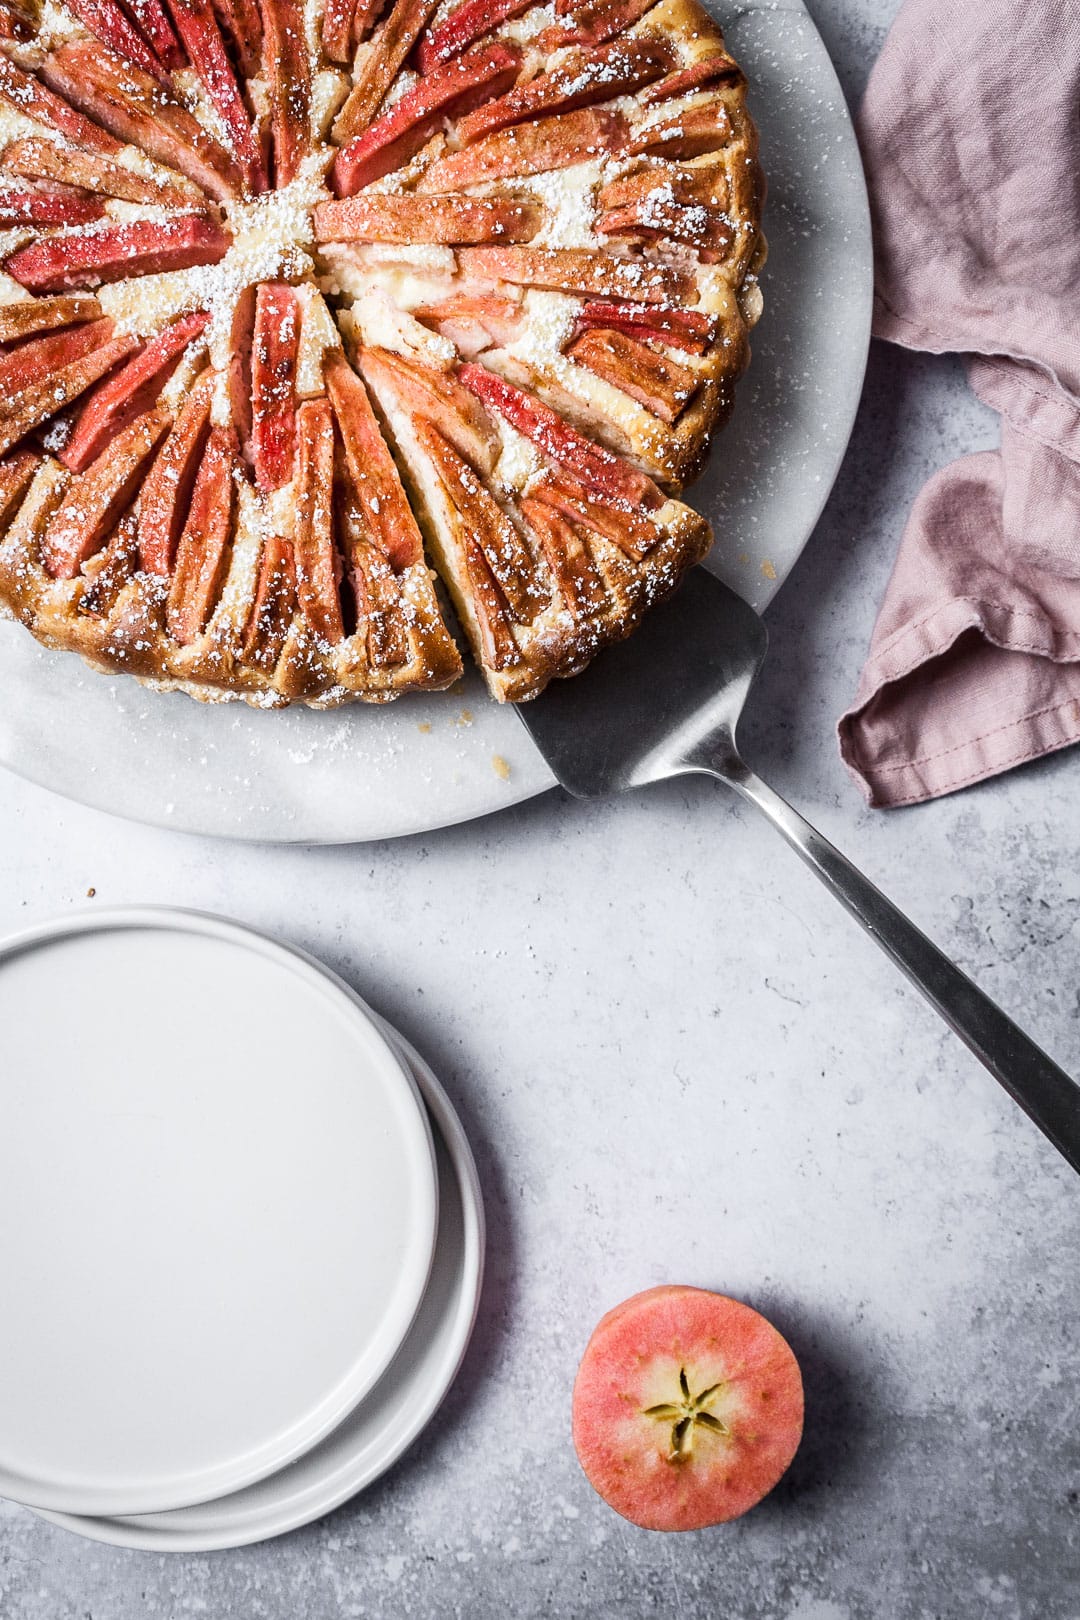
305,308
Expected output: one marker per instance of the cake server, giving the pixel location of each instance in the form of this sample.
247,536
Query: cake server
667,703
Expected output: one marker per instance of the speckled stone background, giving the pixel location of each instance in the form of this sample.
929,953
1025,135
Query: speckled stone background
678,1060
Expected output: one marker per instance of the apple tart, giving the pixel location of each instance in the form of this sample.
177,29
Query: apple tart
316,312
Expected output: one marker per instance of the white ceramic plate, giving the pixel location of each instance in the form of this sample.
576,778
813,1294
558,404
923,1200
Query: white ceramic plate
366,772
374,1436
219,1205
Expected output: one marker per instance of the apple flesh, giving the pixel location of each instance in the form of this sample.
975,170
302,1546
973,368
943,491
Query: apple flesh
662,385
687,1408
395,137
465,24
166,493
202,556
572,568
94,501
690,329
372,474
315,557
273,608
273,385
538,147
139,111
610,475
447,219
134,389
585,76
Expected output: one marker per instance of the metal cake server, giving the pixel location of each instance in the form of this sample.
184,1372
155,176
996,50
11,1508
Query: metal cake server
667,703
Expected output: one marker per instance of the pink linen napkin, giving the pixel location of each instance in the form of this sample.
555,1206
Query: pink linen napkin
970,132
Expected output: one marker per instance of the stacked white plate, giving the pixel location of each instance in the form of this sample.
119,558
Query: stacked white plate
241,1235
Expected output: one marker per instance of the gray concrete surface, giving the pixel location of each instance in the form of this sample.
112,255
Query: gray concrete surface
679,1061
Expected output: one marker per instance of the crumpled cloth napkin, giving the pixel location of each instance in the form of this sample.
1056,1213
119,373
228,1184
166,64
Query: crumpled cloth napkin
970,131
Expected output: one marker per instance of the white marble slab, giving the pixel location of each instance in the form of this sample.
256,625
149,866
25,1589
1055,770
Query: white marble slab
678,1060
379,771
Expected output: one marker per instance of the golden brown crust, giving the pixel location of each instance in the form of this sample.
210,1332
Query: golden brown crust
202,543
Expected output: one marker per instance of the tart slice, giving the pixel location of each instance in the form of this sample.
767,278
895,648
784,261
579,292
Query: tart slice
539,584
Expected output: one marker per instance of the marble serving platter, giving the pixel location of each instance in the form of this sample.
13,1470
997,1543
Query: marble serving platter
422,762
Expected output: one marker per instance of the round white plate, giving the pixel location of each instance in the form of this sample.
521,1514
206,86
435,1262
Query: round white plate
374,1436
218,1203
376,772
